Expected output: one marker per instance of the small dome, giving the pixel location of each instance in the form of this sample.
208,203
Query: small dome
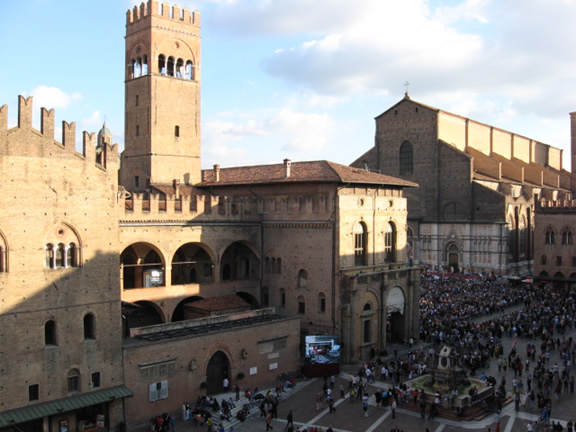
104,130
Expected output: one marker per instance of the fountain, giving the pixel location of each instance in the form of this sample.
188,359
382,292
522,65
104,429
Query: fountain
446,377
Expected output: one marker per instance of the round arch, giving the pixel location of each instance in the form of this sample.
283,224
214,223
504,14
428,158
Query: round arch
179,314
240,261
142,266
192,263
249,298
452,254
217,368
146,313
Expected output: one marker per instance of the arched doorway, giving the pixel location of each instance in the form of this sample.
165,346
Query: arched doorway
395,304
453,253
218,369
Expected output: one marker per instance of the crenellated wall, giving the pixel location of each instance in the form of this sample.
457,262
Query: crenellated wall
27,141
153,7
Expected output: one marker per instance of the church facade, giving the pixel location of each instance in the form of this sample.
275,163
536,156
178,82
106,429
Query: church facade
474,209
140,280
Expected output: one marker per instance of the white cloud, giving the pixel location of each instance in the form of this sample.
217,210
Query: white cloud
95,120
237,135
52,97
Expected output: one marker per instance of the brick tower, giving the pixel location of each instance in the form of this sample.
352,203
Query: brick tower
162,97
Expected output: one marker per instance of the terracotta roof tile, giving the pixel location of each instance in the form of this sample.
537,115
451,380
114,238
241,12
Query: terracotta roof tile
220,303
300,172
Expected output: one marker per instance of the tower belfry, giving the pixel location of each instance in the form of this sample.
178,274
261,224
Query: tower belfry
162,96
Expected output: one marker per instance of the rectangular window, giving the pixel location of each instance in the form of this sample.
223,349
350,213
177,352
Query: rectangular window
558,260
158,391
574,261
33,392
95,377
322,304
359,249
137,130
176,131
137,181
73,384
301,307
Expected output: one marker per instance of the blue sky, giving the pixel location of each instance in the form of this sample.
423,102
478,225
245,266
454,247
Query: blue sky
304,79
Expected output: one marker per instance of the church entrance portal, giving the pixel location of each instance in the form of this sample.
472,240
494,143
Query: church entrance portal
218,369
453,258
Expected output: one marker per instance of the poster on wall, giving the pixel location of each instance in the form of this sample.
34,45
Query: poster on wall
63,425
322,355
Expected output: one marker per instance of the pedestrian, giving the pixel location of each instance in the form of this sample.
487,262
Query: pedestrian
318,401
269,421
365,404
331,405
393,408
289,420
226,384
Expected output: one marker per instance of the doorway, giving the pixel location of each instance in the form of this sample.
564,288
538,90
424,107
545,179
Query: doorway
218,369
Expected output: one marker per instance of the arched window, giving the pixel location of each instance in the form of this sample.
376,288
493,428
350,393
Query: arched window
301,305
523,235
406,159
302,278
49,256
64,254
265,297
162,64
50,333
89,330
170,66
71,255
279,265
367,323
389,242
73,380
145,65
549,236
180,68
267,265
360,242
566,236
321,303
189,70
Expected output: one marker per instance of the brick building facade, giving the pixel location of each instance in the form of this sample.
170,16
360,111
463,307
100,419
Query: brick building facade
100,282
474,209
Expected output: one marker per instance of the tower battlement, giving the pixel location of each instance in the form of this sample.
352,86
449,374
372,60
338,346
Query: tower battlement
29,141
155,8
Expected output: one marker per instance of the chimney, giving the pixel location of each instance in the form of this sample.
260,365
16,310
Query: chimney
287,165
217,173
176,187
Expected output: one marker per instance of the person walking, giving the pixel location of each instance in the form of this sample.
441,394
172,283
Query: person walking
393,408
365,404
269,421
289,421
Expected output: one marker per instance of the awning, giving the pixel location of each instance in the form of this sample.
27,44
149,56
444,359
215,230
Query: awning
71,403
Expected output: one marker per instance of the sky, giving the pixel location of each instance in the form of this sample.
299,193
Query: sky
304,79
